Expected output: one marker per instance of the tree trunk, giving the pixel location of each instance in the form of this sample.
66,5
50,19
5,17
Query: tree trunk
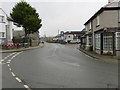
25,41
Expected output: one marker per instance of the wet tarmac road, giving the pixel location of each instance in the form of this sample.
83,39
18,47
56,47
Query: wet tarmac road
58,66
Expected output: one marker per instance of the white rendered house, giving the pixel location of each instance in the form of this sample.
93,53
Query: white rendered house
6,33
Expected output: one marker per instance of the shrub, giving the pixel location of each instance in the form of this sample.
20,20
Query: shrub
109,53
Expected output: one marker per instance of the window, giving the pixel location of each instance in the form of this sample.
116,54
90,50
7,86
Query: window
118,40
108,42
86,28
2,19
119,16
98,20
89,40
90,27
97,41
84,41
2,34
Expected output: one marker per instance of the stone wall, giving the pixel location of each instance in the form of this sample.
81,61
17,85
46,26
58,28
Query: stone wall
34,42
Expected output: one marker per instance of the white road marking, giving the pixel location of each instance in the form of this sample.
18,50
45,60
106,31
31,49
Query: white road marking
74,64
16,54
2,60
19,53
10,69
8,65
18,79
26,86
7,62
13,74
13,57
6,57
9,55
54,50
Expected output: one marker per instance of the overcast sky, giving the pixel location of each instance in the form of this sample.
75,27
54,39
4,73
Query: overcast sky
60,14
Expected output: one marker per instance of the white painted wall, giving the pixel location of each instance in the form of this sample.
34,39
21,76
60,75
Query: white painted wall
6,28
68,37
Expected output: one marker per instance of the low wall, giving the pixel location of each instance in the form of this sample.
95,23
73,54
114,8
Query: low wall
34,42
89,48
98,51
118,55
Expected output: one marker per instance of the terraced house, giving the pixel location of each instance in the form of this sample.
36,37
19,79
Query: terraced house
103,30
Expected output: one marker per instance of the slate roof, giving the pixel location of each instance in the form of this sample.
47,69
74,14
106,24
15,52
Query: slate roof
113,4
74,32
109,6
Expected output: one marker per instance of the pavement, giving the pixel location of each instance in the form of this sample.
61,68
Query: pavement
57,66
21,49
105,58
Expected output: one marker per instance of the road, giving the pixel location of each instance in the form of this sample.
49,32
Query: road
56,66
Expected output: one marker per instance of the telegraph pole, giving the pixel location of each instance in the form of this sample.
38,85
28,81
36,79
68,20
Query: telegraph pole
58,31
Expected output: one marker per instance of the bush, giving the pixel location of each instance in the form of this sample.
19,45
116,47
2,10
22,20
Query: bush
51,41
109,53
18,40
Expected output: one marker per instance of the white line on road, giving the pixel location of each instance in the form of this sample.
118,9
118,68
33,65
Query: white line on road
2,60
13,56
18,79
8,65
54,50
74,64
16,54
7,62
10,69
13,74
26,86
9,55
19,53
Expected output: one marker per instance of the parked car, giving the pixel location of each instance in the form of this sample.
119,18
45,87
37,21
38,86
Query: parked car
42,42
